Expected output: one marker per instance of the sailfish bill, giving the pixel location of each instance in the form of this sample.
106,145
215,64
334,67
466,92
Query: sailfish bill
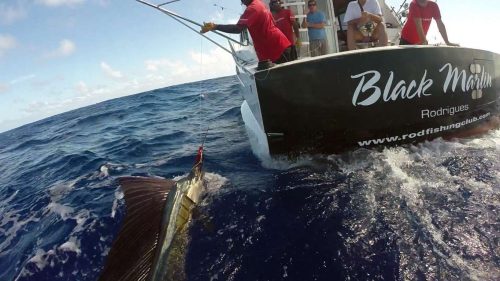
152,240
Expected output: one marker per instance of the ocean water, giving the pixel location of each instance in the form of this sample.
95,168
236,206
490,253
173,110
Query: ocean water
423,212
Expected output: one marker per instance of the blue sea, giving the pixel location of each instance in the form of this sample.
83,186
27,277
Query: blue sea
427,211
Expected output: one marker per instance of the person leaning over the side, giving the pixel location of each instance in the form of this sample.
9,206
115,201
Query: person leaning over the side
269,42
418,22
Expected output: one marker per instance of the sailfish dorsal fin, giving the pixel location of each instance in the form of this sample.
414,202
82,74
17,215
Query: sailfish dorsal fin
133,251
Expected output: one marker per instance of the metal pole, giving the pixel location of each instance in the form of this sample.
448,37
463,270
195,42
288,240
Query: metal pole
177,17
168,2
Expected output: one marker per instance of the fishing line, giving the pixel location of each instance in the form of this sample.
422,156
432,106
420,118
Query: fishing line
201,96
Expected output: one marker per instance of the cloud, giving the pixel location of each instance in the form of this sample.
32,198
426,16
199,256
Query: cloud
66,48
7,42
10,14
57,3
167,66
210,64
215,62
158,73
110,72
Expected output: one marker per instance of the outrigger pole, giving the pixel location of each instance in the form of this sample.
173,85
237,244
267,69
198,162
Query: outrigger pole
182,20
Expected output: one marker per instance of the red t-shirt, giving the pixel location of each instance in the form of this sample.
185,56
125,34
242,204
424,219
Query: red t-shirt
427,13
269,42
284,21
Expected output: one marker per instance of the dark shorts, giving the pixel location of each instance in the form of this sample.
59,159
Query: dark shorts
293,53
289,54
404,42
286,55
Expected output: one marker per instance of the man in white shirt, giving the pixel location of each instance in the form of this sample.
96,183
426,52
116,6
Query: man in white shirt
365,23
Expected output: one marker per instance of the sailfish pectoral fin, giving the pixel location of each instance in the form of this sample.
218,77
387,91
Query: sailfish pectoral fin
133,252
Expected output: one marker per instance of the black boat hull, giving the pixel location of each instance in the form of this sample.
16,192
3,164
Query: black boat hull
383,96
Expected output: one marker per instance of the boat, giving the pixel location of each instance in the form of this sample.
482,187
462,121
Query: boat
373,96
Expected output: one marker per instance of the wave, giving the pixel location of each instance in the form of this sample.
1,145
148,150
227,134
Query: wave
423,211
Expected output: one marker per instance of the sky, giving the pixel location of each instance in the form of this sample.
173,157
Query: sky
59,55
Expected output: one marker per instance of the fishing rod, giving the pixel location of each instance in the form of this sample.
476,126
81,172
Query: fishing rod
402,12
182,20
168,2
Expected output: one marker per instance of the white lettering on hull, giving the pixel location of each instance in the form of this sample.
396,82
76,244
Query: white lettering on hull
477,81
402,89
452,110
369,89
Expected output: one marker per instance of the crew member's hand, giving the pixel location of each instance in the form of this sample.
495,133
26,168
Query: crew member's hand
424,42
304,23
207,26
365,18
453,44
298,43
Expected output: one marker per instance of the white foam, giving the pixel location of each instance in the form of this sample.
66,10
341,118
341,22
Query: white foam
12,218
438,180
285,273
63,211
118,196
260,218
40,258
60,189
490,140
256,136
178,178
104,171
155,163
214,182
72,245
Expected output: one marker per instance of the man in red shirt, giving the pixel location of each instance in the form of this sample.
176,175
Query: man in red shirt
418,22
283,18
269,42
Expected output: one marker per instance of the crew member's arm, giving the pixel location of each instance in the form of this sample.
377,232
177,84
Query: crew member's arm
420,31
227,28
372,17
352,30
442,30
295,26
316,25
304,23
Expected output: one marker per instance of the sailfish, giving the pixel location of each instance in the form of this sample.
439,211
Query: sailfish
152,240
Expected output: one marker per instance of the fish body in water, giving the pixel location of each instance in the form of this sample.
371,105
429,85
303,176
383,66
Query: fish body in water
152,241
